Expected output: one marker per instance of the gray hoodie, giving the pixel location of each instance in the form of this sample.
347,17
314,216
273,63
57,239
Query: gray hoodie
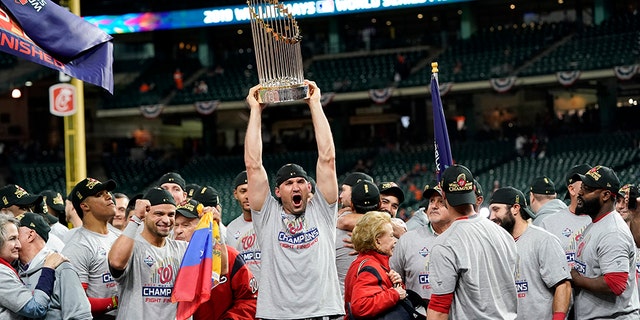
547,209
67,289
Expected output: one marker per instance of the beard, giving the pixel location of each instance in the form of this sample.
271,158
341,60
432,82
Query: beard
589,207
507,223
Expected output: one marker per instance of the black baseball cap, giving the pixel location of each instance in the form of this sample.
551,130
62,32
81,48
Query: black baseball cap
88,187
173,177
240,179
288,171
365,196
391,188
14,194
478,190
208,196
191,188
53,199
356,177
430,188
578,169
511,196
37,223
458,185
542,185
189,209
600,177
157,196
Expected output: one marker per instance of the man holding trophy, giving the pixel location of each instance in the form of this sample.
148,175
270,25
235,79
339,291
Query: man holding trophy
295,231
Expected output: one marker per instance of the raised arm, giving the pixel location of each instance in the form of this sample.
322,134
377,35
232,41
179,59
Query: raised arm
326,178
122,249
257,181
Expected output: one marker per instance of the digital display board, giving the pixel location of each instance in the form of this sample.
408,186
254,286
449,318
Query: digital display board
198,18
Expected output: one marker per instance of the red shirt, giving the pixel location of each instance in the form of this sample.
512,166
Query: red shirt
236,295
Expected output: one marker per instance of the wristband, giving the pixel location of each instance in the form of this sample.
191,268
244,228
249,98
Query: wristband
135,220
559,315
131,230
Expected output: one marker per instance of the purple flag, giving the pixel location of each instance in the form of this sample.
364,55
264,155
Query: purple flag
440,134
45,33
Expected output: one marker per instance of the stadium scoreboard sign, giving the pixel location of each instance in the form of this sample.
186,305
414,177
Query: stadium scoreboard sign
197,18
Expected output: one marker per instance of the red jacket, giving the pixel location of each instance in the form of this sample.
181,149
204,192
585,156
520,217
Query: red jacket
368,290
236,295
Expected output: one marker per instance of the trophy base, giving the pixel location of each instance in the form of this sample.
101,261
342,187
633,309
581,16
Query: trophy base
283,94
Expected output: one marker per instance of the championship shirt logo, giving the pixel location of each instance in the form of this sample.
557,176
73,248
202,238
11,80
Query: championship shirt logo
102,251
91,182
566,232
20,192
424,251
149,260
522,287
236,235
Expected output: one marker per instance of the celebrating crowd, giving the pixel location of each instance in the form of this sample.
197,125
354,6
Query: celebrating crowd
323,250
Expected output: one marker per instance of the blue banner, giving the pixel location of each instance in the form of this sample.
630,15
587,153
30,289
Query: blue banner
45,33
440,134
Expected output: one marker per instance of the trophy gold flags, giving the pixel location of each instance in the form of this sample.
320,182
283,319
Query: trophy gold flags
276,41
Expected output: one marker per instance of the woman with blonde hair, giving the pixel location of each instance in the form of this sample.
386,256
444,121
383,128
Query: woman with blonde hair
371,287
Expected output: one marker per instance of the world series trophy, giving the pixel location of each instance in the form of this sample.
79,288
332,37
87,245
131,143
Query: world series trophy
276,41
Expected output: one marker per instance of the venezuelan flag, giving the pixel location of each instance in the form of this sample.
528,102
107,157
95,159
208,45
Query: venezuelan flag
200,268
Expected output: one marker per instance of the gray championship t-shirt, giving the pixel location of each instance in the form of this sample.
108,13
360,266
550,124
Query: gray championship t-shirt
410,258
242,236
568,227
541,265
476,260
146,284
298,270
87,251
607,246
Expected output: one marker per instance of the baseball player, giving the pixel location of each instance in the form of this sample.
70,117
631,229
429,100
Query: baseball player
542,274
89,245
604,269
411,253
472,264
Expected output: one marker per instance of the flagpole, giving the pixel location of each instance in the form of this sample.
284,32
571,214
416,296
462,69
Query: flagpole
75,153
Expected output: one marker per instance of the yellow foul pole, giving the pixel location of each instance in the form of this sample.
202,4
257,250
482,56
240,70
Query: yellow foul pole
75,152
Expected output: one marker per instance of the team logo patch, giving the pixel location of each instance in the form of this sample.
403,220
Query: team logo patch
236,235
253,284
102,251
566,232
20,192
91,183
424,251
149,260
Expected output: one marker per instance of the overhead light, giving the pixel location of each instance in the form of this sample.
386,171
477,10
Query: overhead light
28,84
16,93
